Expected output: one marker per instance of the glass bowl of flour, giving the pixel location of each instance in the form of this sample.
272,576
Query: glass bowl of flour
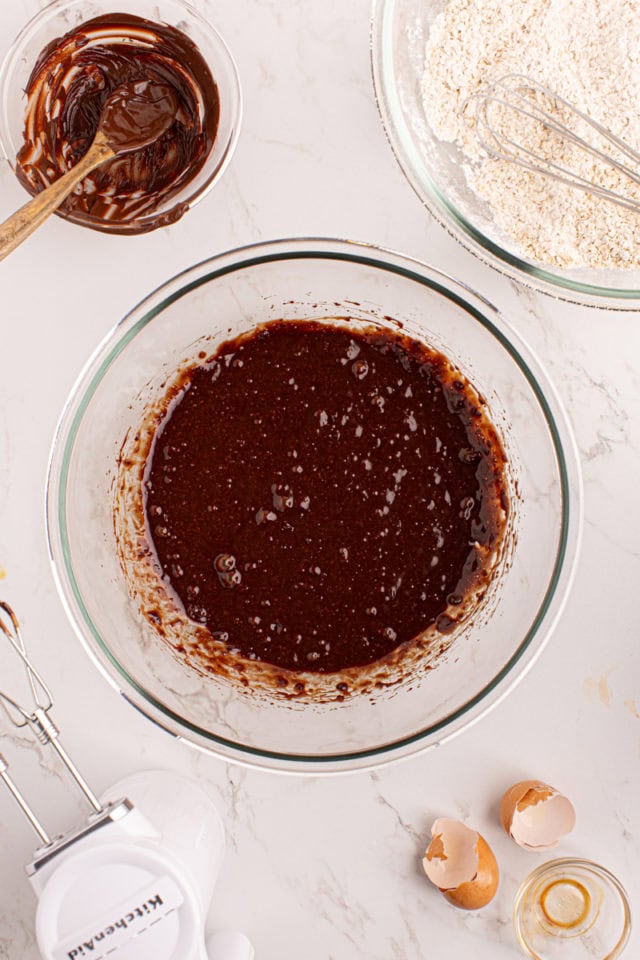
429,59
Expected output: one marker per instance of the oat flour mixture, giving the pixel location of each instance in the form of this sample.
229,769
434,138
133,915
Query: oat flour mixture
588,51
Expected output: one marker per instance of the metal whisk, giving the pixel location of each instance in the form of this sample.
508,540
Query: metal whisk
516,96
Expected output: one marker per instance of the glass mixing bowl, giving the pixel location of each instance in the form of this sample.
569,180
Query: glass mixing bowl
312,279
61,16
399,32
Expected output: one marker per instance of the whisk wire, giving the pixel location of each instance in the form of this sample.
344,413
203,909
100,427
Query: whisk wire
551,124
37,719
42,697
522,95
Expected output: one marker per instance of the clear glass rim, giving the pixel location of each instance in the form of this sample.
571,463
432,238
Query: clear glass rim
333,250
590,866
234,105
445,212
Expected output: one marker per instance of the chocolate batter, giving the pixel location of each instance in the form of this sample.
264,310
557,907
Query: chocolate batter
318,496
73,78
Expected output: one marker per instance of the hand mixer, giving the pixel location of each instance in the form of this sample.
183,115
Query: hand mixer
136,880
523,122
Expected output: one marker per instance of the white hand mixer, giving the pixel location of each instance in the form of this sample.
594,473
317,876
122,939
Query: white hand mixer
136,881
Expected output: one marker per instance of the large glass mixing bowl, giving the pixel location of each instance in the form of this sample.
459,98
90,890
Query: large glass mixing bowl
399,32
311,279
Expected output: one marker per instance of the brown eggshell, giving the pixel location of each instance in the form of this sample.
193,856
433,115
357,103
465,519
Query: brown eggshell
554,819
461,865
516,793
481,890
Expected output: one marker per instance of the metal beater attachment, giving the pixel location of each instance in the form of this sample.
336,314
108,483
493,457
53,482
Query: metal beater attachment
520,121
22,802
37,718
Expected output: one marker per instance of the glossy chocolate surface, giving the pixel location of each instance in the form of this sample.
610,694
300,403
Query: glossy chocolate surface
136,114
318,496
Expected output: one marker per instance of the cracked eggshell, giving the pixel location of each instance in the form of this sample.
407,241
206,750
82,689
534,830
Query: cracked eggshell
536,815
461,864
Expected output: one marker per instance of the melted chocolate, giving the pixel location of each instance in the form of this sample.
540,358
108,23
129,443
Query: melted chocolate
69,86
136,114
318,496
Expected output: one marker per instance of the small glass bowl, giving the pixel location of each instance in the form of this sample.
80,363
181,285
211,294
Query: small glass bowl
572,909
435,169
59,18
304,280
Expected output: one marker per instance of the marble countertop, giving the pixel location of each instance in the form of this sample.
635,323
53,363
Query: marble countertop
326,869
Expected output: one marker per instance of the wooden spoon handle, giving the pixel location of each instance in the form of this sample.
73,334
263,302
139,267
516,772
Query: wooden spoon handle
28,218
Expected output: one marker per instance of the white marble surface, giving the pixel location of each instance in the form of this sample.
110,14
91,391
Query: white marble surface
326,868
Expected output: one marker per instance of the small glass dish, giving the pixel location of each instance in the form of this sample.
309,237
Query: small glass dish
435,169
313,280
574,910
61,16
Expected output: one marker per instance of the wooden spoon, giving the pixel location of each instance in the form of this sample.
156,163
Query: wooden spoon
134,116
